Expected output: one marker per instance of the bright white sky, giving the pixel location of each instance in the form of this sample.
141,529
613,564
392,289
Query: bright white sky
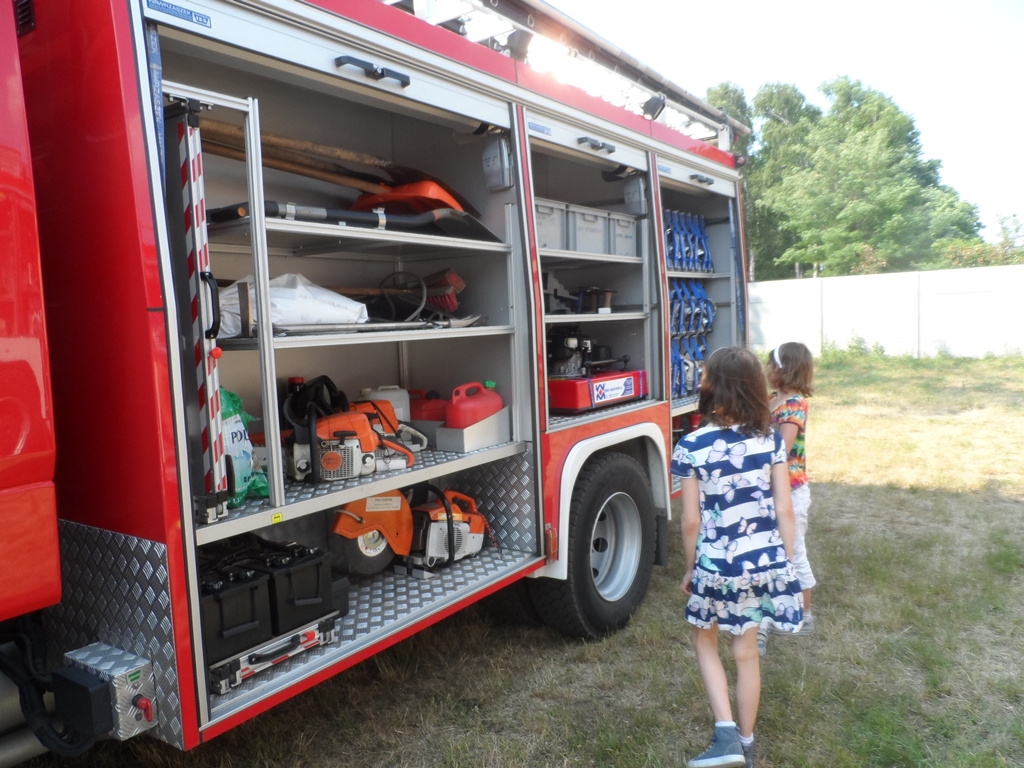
957,66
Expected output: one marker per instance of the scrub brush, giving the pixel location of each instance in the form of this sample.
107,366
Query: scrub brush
445,279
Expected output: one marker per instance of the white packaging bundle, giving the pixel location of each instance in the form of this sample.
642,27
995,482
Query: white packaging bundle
294,300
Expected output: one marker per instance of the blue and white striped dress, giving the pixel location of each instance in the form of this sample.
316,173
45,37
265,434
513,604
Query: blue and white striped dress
742,574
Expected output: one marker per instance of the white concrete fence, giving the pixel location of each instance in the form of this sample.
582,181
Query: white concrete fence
963,312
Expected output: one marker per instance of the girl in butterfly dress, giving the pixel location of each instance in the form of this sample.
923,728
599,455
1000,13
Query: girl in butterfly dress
790,371
738,531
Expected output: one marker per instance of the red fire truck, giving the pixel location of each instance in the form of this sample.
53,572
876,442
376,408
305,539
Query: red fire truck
354,315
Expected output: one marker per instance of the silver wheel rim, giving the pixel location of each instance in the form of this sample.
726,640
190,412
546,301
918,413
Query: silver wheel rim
615,544
371,544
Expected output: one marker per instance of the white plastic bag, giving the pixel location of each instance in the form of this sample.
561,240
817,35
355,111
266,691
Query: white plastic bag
294,300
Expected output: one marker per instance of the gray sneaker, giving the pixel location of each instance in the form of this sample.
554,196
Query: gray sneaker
725,750
762,640
748,754
807,628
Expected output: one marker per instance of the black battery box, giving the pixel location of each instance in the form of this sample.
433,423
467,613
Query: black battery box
300,583
235,605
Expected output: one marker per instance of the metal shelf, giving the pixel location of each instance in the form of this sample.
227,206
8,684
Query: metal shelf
302,499
549,255
681,405
303,238
367,337
379,606
370,337
593,317
556,423
697,275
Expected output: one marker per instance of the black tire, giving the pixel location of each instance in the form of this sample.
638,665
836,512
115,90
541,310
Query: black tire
512,606
611,551
367,554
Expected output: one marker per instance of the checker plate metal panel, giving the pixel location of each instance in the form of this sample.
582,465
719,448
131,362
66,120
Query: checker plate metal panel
506,492
685,403
556,422
116,592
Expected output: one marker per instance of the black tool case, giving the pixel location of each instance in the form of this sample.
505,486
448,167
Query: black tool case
300,584
236,611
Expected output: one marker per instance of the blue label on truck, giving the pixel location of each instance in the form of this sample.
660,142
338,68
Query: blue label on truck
664,169
539,128
179,12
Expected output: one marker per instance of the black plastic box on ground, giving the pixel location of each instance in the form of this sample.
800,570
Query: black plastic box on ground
300,585
236,611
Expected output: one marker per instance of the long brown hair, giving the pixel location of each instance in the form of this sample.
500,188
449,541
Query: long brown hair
790,368
733,391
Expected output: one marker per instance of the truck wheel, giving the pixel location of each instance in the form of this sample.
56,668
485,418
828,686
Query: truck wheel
367,554
611,551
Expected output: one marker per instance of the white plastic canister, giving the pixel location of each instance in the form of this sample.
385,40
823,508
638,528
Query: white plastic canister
394,394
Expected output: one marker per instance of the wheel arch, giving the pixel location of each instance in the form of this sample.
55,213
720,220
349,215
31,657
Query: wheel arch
645,443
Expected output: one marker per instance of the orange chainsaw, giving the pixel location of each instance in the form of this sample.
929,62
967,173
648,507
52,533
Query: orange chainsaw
381,414
438,531
330,442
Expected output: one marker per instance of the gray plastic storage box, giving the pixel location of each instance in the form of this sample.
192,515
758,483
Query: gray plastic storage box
622,230
493,430
588,230
550,224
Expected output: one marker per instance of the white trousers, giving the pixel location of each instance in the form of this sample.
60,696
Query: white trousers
802,568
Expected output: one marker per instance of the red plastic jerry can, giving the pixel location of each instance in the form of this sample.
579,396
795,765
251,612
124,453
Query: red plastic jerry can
472,403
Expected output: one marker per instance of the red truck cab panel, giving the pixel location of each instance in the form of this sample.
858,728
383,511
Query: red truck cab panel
28,514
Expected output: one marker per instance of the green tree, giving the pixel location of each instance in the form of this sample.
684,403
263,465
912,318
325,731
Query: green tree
853,191
848,190
784,119
780,118
953,252
732,99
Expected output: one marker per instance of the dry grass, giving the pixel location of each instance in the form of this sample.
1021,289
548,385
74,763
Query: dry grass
917,544
943,423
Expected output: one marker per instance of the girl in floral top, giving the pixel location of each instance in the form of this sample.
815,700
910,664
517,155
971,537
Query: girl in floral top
790,371
738,540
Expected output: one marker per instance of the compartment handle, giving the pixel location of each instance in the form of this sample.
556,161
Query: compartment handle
701,179
211,281
372,71
273,653
596,144
238,628
299,602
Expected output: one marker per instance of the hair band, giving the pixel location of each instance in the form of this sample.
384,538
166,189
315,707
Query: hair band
775,354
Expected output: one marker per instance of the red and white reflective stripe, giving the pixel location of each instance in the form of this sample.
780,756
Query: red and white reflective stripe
193,193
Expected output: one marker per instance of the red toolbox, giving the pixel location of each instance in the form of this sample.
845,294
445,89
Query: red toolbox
584,393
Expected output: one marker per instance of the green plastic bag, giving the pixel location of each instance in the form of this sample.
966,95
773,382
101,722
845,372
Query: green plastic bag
250,482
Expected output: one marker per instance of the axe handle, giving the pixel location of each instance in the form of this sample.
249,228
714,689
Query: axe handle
223,150
226,130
